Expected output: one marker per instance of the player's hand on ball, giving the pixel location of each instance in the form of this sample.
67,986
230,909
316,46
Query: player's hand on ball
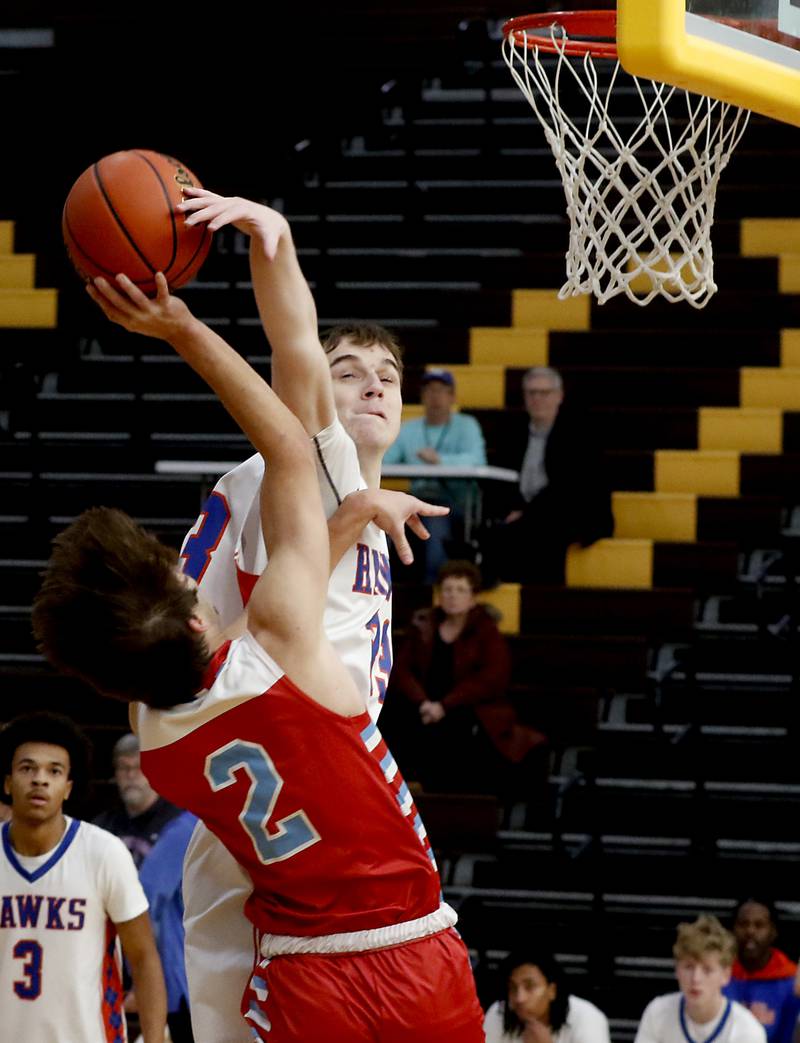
124,303
250,218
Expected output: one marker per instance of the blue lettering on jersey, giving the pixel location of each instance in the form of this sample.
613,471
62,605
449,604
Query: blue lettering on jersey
28,907
7,913
199,547
362,584
383,574
54,913
77,909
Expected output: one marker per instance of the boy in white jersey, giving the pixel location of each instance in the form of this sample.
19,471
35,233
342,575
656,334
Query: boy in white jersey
219,711
704,953
347,395
68,890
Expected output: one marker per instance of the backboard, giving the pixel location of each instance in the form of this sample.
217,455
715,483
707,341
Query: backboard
742,51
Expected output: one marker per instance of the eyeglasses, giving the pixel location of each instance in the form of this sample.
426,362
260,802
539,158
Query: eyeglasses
539,391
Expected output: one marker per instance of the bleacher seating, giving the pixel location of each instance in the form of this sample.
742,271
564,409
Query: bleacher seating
666,673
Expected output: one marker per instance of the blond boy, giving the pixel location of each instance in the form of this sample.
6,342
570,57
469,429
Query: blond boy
704,953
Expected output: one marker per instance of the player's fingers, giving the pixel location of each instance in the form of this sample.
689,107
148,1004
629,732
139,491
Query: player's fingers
162,288
195,191
108,309
270,239
432,510
110,293
137,298
401,545
210,211
414,523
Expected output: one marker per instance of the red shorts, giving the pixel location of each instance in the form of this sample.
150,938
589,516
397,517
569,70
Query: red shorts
419,992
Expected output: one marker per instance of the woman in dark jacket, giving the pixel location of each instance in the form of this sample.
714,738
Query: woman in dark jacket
458,731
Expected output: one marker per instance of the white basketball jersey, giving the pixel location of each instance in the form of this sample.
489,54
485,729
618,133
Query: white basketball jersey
225,553
665,1021
60,979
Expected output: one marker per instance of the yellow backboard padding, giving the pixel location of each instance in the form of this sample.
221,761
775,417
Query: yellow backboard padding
766,386
670,517
770,236
611,563
707,472
790,348
508,346
17,271
541,309
28,308
478,387
652,41
6,237
746,430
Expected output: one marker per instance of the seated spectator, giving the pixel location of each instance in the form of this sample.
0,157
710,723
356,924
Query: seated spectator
537,1006
763,977
445,437
143,813
454,730
704,953
563,496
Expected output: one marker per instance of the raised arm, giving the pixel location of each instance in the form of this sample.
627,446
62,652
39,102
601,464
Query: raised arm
300,374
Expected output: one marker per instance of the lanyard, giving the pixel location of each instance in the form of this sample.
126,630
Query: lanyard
714,1034
440,439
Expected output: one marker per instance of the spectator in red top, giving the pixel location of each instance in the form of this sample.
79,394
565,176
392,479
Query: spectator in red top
455,730
762,978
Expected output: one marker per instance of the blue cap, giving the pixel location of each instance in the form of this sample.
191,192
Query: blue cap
442,375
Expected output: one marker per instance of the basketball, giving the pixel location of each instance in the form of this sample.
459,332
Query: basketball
120,216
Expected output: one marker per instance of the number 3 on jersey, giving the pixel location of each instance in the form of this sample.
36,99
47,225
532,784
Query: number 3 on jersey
31,952
293,833
381,662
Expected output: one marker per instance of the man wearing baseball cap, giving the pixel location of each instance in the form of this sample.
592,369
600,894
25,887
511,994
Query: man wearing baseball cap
440,436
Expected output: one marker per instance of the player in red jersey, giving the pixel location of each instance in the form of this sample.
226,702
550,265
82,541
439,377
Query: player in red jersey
355,942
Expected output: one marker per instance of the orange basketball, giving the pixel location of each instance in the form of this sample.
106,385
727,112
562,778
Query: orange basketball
120,216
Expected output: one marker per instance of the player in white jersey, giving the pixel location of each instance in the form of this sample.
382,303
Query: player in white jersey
704,953
349,403
68,891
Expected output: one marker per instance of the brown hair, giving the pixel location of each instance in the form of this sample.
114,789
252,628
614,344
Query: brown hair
113,610
461,570
703,937
364,334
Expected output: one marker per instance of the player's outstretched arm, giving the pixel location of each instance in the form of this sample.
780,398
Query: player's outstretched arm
300,373
390,511
269,425
139,947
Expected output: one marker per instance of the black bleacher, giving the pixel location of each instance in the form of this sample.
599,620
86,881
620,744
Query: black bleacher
674,787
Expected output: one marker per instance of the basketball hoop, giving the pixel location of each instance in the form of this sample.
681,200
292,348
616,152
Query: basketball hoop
640,197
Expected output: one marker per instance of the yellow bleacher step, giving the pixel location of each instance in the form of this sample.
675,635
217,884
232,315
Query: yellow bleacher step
508,346
412,411
506,599
790,348
543,310
28,308
611,563
770,236
400,485
671,517
765,386
6,237
478,387
706,473
745,430
789,273
17,271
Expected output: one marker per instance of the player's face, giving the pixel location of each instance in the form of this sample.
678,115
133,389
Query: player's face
366,389
755,933
542,400
456,596
530,994
701,981
39,782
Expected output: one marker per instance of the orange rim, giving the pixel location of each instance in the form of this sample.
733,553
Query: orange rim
533,30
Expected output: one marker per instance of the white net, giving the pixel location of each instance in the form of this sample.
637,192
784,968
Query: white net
640,189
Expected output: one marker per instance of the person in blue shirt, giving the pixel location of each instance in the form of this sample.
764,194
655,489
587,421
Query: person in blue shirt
763,977
160,876
441,436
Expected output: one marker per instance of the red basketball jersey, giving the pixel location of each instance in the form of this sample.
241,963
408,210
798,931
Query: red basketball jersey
309,802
